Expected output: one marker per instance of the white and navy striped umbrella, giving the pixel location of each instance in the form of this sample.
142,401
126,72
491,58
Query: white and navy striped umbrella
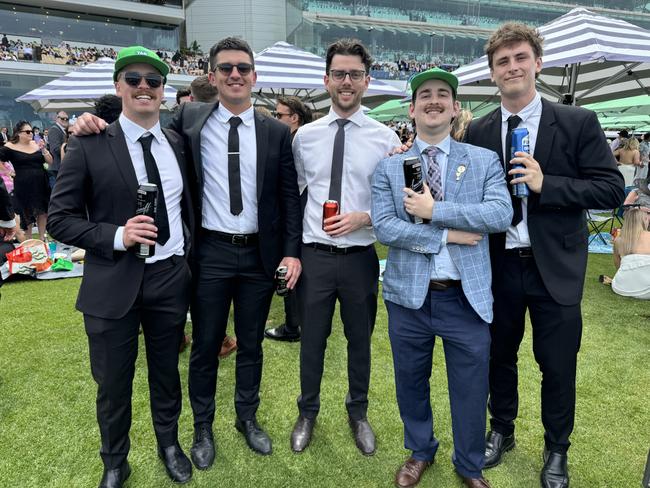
286,68
592,57
79,89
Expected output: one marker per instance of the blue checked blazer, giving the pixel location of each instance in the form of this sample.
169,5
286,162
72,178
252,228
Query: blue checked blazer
476,200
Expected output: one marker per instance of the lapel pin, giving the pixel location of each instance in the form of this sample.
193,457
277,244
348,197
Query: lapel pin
459,171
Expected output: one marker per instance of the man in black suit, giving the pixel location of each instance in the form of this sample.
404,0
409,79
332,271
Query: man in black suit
539,263
93,206
56,137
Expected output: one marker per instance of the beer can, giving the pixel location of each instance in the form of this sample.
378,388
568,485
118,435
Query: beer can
520,143
281,281
146,205
330,209
414,179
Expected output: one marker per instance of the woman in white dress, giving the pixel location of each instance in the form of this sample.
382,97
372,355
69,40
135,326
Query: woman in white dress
632,254
629,158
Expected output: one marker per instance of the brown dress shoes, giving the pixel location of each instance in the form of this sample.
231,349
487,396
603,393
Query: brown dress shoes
410,473
476,482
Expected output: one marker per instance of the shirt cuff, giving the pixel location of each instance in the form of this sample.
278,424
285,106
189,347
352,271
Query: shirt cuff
118,242
8,224
444,237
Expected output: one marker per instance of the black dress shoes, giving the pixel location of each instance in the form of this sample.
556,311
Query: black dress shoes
202,450
555,473
301,435
495,445
115,478
364,437
256,438
177,465
281,333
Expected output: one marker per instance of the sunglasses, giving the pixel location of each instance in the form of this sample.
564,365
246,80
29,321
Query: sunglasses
133,78
63,118
243,68
340,74
29,132
279,115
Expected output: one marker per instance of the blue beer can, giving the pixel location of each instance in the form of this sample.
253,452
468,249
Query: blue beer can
520,143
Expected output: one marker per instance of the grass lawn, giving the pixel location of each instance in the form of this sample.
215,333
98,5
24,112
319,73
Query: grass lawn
49,436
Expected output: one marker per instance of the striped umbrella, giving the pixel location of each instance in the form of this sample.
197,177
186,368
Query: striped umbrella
79,89
591,57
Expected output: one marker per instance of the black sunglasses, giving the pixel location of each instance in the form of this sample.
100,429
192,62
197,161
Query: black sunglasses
243,68
63,118
27,131
133,78
279,115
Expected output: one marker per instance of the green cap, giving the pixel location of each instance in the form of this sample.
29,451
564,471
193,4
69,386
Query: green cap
434,74
139,54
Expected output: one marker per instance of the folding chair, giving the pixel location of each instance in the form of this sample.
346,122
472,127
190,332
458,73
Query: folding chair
597,221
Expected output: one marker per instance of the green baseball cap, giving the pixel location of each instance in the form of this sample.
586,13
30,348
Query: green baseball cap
434,74
139,54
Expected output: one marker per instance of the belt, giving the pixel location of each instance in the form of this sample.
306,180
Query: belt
441,285
522,252
241,240
337,250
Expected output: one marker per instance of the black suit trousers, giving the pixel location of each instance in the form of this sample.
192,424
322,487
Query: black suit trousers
557,331
227,274
161,309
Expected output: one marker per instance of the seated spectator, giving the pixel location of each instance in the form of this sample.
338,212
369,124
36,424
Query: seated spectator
632,254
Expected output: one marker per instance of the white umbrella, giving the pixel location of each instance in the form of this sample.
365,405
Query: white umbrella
79,89
590,57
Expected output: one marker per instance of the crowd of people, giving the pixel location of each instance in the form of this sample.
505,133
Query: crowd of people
251,203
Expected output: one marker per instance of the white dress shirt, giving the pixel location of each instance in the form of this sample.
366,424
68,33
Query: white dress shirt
443,266
170,178
366,143
517,236
216,192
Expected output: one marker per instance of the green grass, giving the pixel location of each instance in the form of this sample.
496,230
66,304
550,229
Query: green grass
49,436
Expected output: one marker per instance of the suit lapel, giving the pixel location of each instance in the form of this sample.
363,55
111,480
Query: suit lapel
545,134
493,133
117,144
262,141
457,165
197,125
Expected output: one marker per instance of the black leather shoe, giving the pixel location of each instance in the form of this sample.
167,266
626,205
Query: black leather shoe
256,438
301,435
202,451
555,473
495,445
115,478
177,465
364,437
282,334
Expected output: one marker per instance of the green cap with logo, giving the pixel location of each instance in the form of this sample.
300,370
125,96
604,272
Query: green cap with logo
434,74
139,54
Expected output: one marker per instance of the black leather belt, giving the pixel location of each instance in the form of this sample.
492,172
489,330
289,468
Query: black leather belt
337,250
241,240
522,252
440,285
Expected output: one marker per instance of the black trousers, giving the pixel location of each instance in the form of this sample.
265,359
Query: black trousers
225,273
352,280
557,331
292,313
161,309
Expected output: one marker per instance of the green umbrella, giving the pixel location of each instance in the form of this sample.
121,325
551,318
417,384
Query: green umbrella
391,110
632,105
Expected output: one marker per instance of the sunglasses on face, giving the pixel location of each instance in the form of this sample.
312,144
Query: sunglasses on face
28,132
243,68
63,118
133,78
340,74
279,115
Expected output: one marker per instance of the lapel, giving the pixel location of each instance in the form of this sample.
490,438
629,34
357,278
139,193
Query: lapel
117,144
454,178
493,133
203,113
262,142
545,134
177,147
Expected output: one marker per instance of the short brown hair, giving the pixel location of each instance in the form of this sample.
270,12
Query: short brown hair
513,33
297,107
202,90
348,47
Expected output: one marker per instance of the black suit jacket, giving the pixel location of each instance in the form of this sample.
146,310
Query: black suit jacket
579,173
55,139
94,194
6,210
278,212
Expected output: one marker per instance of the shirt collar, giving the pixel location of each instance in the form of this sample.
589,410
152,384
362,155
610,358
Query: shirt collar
133,131
247,116
358,117
443,146
533,108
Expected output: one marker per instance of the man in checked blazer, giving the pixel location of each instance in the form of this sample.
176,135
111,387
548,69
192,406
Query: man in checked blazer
437,278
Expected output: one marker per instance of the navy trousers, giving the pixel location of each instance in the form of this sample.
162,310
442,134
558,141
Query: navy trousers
466,341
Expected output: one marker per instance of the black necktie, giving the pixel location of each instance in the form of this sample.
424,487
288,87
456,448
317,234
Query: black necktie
517,215
337,162
162,222
234,174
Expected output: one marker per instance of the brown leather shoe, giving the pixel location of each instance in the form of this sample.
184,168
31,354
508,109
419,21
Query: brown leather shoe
410,472
476,482
228,346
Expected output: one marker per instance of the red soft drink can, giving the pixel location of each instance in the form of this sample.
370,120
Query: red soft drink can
330,209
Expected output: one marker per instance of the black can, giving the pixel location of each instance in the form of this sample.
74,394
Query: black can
146,205
414,180
281,281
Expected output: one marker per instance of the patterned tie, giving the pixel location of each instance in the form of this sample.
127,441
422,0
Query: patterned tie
434,177
161,220
234,175
517,214
336,176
